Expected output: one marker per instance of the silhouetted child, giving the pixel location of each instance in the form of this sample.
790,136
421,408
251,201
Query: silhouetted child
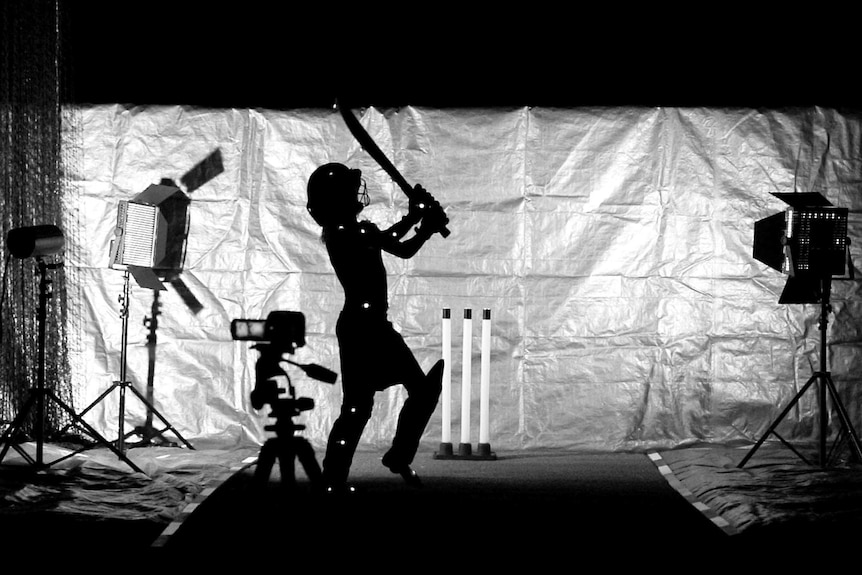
373,355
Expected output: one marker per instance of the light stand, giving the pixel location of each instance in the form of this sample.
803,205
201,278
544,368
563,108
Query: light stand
149,234
147,431
810,243
825,383
122,384
40,394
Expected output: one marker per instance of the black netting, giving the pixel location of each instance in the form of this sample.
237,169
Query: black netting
31,175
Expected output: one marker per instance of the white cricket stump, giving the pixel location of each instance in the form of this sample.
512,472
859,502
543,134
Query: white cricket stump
465,446
446,394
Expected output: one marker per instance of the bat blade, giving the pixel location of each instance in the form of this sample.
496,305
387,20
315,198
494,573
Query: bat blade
369,145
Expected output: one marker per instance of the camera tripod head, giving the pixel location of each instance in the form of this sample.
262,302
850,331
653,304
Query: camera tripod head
268,367
267,392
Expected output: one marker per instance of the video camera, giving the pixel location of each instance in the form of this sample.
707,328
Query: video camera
281,332
284,329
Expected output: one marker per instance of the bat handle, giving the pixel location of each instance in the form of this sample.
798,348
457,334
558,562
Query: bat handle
408,190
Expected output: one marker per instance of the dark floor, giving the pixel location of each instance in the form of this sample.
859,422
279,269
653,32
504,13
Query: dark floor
532,502
524,509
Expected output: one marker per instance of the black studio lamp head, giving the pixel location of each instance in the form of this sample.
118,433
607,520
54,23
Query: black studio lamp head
808,242
35,241
151,233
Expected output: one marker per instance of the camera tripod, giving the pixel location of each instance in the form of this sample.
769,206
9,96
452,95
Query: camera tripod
287,448
39,395
825,384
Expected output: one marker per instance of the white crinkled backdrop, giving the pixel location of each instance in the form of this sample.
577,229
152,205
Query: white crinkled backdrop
613,247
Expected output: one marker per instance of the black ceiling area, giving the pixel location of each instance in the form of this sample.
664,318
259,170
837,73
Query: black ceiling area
275,55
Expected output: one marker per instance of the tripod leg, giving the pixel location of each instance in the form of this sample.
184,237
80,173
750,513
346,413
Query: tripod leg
265,461
823,416
161,417
92,431
305,454
845,418
286,456
775,423
286,459
15,426
103,395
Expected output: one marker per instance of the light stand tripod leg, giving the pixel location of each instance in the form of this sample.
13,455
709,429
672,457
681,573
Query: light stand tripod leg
95,434
16,426
98,399
777,421
154,411
39,460
847,425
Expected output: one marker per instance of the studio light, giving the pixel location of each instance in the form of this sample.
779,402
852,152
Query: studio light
808,242
39,241
150,234
35,241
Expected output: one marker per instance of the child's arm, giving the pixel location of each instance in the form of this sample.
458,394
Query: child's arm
424,208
